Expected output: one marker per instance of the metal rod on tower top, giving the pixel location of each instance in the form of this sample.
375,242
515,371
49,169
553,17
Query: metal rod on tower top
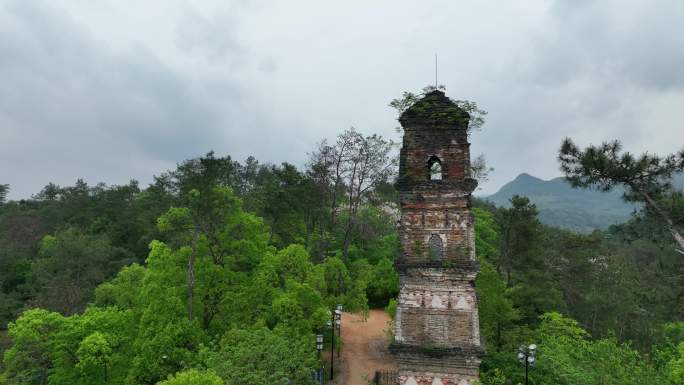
436,70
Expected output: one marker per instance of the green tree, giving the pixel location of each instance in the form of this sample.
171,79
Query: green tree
383,283
14,269
77,350
495,305
261,356
645,177
675,368
292,287
284,197
519,240
95,355
29,360
70,265
202,174
290,263
341,288
347,172
486,234
166,341
521,262
193,377
124,290
214,230
4,190
90,344
493,377
567,356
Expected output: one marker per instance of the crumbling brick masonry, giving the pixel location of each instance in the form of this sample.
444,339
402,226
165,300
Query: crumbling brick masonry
437,337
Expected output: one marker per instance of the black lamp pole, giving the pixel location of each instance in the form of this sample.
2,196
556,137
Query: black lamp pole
338,324
319,348
335,323
526,356
332,345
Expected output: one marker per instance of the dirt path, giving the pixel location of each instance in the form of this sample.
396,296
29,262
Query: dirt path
364,348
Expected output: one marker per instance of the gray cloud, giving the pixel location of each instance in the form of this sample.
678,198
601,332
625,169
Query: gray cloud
213,36
72,107
110,90
615,41
594,71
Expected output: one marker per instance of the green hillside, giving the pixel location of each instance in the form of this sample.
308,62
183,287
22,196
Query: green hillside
563,206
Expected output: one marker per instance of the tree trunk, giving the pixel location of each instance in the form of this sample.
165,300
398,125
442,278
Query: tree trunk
675,234
347,240
498,335
350,215
191,273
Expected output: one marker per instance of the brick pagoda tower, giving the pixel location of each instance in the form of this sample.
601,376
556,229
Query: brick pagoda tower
437,336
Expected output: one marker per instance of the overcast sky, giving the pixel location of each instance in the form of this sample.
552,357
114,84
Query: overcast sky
110,90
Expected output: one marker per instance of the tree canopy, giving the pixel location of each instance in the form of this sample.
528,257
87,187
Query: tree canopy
223,272
647,177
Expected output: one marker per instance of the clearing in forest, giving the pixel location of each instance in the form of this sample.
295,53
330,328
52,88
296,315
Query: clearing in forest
364,348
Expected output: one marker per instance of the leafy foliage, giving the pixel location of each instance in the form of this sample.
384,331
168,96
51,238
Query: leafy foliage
193,377
222,273
262,356
4,190
604,166
476,116
70,265
647,177
212,286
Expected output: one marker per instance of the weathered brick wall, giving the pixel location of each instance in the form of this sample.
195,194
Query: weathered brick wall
435,379
453,224
434,126
437,324
421,143
437,307
452,370
439,207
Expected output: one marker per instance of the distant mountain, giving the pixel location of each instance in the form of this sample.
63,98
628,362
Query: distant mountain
561,205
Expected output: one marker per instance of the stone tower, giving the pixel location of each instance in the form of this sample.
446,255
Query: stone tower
437,336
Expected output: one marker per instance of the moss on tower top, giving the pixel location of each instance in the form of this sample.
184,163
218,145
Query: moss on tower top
435,109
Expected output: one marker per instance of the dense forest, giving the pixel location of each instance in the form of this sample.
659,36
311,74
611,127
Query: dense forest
222,272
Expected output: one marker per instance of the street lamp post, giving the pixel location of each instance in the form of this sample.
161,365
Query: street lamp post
334,323
338,324
331,325
527,357
319,349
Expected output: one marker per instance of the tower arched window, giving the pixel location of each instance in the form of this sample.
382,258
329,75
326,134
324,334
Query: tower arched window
434,168
436,247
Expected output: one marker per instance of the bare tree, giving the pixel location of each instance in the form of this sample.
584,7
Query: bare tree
348,170
4,190
479,169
